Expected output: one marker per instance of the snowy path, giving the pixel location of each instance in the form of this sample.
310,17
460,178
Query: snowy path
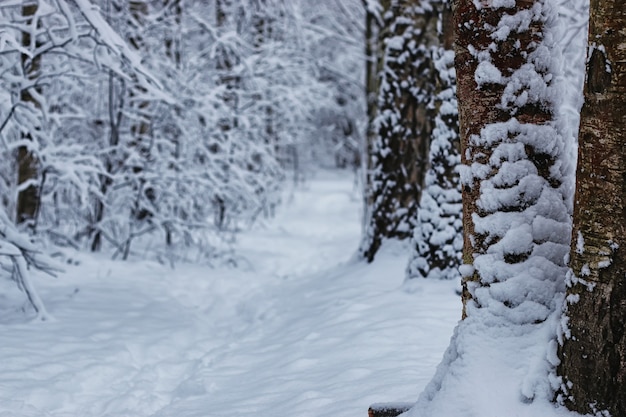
299,332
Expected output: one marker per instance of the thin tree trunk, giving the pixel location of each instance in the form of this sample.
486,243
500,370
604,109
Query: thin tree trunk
173,50
593,355
111,161
140,130
230,98
173,47
225,64
28,196
373,65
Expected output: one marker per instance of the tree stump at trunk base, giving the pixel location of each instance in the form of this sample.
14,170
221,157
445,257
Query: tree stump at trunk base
388,409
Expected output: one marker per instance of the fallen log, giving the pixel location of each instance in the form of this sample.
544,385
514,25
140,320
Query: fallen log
388,409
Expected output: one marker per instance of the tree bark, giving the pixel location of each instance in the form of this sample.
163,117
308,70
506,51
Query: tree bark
437,235
593,355
399,155
373,65
28,196
141,127
499,114
111,159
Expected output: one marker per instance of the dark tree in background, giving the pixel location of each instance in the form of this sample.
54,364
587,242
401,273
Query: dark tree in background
28,175
437,239
399,153
374,38
593,355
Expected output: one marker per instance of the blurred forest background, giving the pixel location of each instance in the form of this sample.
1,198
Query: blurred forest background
164,127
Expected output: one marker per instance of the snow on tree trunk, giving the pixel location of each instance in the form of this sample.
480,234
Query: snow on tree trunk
115,114
373,65
28,181
593,354
399,156
516,185
437,238
515,217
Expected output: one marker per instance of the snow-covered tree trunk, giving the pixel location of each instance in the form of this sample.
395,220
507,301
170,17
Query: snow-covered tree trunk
262,23
28,181
514,179
140,145
140,129
373,65
437,238
174,8
173,50
593,355
399,155
111,160
516,183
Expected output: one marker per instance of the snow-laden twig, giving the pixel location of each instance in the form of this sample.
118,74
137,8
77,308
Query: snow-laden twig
23,254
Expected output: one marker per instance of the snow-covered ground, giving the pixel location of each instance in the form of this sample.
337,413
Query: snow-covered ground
298,329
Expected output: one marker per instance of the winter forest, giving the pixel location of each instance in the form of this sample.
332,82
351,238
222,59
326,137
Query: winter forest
294,208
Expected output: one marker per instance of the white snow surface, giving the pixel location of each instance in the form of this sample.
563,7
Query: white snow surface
299,329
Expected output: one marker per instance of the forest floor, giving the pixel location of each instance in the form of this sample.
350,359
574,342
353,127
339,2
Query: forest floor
297,329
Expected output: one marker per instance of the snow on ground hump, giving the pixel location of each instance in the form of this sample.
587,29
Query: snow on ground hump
297,330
